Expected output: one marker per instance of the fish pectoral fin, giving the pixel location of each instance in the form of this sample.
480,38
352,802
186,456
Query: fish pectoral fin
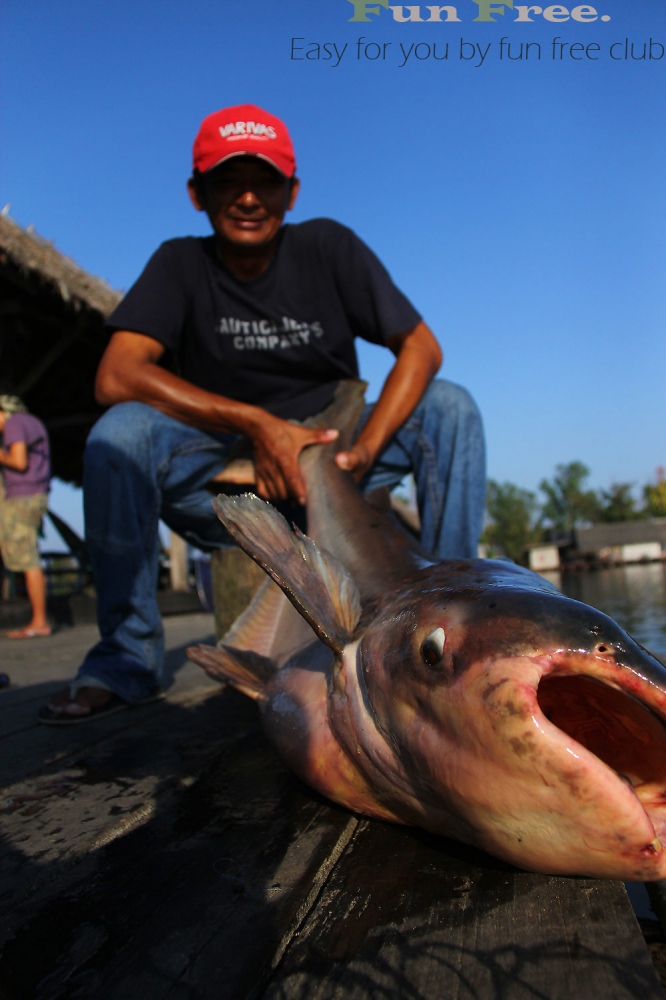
245,670
318,586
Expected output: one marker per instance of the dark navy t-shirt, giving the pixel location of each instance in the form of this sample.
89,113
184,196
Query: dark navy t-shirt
280,341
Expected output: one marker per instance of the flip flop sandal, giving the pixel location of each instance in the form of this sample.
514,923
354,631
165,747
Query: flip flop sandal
49,717
27,633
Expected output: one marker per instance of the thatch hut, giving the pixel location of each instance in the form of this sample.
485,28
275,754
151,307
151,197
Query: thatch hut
51,339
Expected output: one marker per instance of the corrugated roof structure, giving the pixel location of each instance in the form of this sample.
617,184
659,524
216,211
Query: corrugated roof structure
52,337
37,257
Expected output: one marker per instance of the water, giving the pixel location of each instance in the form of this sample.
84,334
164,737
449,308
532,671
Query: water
635,596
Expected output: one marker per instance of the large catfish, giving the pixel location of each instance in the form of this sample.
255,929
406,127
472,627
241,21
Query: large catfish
467,697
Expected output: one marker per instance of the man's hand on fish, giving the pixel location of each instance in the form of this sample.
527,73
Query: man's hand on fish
129,371
277,445
357,460
418,357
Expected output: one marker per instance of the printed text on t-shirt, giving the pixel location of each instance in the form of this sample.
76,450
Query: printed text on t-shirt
264,335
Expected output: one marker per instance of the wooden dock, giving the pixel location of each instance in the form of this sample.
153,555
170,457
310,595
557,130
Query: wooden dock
166,852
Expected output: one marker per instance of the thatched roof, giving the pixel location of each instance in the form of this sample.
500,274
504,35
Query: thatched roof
52,337
38,257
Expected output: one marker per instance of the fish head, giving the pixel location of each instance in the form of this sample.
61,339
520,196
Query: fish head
528,724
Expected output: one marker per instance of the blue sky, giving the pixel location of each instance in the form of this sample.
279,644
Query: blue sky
519,203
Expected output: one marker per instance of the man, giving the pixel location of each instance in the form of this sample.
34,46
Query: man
26,464
259,322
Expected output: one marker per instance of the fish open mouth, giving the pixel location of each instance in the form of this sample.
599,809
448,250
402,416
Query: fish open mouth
618,729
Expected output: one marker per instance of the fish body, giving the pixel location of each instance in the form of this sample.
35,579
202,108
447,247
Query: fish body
467,697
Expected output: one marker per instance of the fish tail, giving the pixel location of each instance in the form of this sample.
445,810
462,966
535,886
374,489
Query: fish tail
342,413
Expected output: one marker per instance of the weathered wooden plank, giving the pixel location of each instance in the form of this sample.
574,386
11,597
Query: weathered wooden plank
224,917
172,855
27,748
34,750
247,938
407,916
54,818
206,890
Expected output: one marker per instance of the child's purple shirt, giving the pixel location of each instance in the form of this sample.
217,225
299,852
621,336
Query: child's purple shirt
34,479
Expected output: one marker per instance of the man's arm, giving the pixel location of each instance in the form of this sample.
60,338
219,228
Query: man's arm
418,357
129,372
15,457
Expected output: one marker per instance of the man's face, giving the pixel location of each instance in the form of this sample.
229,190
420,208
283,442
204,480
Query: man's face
245,200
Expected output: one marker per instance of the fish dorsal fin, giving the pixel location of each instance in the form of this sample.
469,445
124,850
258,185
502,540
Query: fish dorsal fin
318,586
247,671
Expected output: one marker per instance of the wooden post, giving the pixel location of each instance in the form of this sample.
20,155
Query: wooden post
236,579
178,563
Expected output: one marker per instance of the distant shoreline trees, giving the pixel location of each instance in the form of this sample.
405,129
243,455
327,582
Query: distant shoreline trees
511,512
516,519
655,499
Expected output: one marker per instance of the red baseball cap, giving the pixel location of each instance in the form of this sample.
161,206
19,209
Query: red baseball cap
244,130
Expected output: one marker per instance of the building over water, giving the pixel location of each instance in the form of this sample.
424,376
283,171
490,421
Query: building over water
624,541
602,544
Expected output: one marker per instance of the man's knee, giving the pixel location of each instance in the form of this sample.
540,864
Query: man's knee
126,434
124,426
449,401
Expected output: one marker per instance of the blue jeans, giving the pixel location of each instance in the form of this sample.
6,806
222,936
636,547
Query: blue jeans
141,465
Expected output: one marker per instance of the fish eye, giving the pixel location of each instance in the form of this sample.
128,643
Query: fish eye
432,649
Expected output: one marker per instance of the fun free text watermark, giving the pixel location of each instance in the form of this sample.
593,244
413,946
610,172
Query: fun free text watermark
486,10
